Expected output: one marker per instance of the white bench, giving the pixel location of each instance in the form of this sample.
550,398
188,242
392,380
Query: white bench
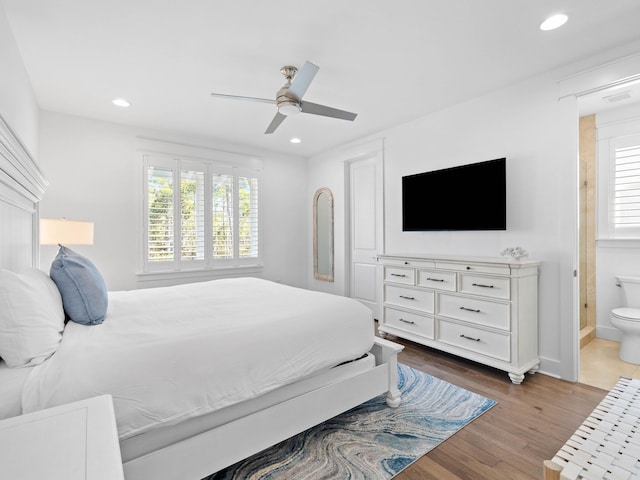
607,444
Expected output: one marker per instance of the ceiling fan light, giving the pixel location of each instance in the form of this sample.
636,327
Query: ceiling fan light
289,108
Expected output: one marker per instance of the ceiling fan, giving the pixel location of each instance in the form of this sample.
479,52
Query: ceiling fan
289,97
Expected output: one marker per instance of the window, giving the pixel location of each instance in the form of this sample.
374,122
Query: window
199,214
626,187
618,180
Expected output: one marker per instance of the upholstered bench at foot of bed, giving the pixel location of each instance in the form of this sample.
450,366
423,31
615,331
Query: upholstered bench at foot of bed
607,444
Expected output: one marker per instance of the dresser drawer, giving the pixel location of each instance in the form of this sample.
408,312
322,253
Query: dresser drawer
410,322
437,279
476,268
490,344
495,287
422,300
408,262
399,275
475,310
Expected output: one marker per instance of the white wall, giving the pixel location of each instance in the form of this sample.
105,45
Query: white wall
525,123
95,174
18,104
328,172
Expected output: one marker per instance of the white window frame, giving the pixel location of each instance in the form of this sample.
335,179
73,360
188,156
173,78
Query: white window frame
611,136
179,163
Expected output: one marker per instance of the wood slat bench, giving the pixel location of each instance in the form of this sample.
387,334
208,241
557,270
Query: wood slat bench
607,444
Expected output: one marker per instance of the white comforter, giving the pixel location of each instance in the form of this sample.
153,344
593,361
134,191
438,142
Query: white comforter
166,354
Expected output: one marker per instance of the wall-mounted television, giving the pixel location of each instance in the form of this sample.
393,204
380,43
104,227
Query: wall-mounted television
466,197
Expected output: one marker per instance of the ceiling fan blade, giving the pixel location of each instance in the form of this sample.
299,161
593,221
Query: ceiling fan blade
237,97
314,108
275,123
303,79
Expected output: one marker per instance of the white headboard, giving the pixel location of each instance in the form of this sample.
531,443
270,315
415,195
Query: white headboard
21,188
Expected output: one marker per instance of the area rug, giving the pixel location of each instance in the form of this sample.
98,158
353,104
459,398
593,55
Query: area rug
371,441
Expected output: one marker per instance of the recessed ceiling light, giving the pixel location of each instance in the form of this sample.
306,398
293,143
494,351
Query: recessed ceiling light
554,21
295,140
121,102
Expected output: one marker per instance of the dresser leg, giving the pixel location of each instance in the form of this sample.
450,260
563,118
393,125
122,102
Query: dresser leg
516,378
393,398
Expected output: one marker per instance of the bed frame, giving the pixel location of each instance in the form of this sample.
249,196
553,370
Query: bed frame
22,186
215,449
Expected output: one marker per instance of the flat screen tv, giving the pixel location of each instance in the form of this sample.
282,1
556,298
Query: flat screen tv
467,197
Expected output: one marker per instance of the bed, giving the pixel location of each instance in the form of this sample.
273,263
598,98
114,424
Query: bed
270,381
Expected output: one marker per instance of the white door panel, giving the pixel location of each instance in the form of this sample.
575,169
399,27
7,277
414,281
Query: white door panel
366,197
364,282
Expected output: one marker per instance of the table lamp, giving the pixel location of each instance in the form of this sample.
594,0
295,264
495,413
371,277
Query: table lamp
60,231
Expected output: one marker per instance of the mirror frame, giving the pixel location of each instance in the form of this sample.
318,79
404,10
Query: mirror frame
319,276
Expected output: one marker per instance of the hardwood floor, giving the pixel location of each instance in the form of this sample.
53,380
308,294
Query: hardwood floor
528,425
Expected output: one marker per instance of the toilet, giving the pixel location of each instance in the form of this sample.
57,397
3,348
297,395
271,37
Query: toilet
627,319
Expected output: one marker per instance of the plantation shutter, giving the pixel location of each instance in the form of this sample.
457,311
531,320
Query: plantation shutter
192,213
248,221
160,218
626,202
222,215
199,214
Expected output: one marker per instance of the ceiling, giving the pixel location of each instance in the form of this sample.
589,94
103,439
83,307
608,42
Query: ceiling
610,98
389,61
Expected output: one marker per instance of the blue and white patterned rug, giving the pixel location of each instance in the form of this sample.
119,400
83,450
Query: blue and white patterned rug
371,441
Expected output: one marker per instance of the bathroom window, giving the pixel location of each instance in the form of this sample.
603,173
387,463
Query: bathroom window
626,186
619,180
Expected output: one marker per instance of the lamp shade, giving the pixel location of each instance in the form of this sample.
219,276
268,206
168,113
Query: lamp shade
60,231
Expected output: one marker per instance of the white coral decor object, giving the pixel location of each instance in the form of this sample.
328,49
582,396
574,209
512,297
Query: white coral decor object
515,252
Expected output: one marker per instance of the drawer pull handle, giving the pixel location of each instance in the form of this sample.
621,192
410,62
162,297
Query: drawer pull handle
410,322
469,309
407,298
435,279
398,275
469,338
481,285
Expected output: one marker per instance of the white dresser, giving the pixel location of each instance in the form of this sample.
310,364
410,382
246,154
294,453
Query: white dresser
483,309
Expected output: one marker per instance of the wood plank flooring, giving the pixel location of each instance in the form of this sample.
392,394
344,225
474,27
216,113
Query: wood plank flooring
528,425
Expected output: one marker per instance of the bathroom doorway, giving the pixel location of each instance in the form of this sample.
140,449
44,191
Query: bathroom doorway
598,111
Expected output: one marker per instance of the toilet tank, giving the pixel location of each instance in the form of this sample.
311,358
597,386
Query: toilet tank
630,290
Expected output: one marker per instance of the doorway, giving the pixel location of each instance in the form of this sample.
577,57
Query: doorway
600,111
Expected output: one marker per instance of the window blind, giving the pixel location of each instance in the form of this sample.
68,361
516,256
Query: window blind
192,215
626,203
160,214
248,217
222,216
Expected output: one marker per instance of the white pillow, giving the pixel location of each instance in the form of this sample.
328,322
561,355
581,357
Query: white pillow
31,317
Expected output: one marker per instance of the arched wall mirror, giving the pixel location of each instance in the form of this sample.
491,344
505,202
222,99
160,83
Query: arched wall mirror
323,235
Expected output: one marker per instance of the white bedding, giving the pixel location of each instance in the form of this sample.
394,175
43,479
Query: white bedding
12,380
166,354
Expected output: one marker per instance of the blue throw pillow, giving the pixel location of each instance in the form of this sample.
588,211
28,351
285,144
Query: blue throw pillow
82,288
